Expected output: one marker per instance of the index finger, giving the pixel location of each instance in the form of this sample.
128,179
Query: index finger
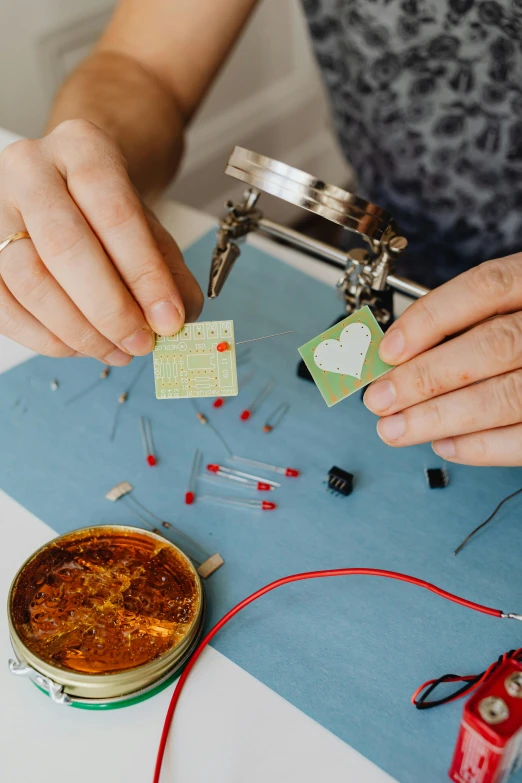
99,184
492,288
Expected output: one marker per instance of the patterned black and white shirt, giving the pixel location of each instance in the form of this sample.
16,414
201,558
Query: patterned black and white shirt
427,100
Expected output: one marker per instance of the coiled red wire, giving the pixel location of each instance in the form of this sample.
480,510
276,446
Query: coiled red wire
296,578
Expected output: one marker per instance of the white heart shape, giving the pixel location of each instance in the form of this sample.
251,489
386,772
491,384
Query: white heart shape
346,355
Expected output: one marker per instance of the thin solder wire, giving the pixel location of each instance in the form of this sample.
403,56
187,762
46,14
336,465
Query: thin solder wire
129,500
483,524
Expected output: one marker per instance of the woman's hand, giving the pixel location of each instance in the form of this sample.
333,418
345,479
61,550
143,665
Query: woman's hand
464,394
99,274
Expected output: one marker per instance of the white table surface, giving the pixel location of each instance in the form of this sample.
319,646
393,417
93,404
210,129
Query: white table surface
229,727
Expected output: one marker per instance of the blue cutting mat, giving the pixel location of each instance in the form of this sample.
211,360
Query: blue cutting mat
347,651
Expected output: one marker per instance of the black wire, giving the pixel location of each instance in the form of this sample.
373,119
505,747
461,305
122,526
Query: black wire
483,524
421,702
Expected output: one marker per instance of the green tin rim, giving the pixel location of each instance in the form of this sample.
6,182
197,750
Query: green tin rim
116,705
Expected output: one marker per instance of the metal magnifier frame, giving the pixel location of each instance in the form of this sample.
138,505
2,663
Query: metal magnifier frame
303,190
368,271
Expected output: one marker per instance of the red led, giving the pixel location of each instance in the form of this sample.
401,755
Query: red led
267,505
221,347
151,459
189,498
213,468
262,486
245,415
291,472
218,402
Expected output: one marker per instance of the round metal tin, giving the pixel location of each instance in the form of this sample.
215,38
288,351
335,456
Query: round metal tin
113,578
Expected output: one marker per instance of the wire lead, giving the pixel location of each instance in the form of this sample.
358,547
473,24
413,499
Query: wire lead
103,375
483,524
276,417
266,337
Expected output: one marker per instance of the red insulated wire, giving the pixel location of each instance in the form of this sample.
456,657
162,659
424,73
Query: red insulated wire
278,583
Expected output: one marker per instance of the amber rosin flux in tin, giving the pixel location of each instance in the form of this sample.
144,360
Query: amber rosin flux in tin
104,616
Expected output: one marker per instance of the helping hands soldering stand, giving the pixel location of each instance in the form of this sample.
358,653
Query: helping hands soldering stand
367,278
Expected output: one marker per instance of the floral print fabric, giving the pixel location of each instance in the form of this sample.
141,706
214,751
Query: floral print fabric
427,100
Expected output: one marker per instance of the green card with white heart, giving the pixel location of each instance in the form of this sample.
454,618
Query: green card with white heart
345,357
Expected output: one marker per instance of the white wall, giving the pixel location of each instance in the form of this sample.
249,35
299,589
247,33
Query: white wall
268,97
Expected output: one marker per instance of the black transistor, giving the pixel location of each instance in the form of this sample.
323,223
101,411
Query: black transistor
340,481
437,478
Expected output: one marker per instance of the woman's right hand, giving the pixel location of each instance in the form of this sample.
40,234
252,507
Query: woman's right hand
99,274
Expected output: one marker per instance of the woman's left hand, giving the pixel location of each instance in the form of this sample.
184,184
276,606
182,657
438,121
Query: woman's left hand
464,394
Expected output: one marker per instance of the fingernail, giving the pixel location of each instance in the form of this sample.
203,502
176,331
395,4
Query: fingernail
379,396
445,448
391,427
139,343
392,346
165,318
118,359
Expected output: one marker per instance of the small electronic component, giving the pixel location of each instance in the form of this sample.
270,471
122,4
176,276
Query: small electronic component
437,478
254,405
203,420
147,442
276,417
205,567
339,481
54,385
290,472
345,357
117,492
210,565
190,494
260,505
198,361
247,479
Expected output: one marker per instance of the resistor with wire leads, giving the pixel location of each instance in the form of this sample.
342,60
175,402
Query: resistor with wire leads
276,417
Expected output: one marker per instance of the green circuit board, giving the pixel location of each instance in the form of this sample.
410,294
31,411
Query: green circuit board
345,357
189,364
